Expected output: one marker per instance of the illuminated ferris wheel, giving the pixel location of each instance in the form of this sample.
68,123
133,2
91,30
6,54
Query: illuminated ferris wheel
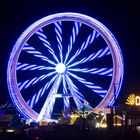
61,61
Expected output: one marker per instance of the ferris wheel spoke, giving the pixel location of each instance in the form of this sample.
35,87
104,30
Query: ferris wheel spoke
98,71
66,96
58,30
47,108
80,96
75,32
77,93
101,53
40,93
66,100
77,96
85,44
25,66
27,83
66,107
64,85
43,38
97,89
36,53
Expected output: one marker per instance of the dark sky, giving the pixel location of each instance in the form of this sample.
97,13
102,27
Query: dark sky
123,19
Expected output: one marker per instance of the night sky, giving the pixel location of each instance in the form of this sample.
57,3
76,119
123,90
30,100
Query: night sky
122,19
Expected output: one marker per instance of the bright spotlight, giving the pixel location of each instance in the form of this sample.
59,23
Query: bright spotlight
60,68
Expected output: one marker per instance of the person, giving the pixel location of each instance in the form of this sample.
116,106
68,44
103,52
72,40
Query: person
85,109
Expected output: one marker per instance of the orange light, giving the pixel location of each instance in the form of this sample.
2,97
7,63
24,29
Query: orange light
133,100
137,100
130,100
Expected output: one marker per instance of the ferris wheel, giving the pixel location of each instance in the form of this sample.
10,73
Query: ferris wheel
62,61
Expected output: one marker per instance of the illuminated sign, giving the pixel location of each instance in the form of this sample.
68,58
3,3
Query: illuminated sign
137,100
133,100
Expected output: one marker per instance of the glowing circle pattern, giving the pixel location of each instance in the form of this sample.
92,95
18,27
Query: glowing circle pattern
61,61
60,68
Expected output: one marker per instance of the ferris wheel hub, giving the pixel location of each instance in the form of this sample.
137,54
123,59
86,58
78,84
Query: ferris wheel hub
60,68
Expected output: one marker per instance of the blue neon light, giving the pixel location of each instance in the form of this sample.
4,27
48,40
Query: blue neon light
74,71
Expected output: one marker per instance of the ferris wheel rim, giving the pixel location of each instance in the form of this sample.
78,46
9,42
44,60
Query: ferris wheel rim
50,19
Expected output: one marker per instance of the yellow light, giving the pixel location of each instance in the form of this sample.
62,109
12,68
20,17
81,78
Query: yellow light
137,100
133,100
130,100
10,130
103,123
119,119
118,124
73,118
